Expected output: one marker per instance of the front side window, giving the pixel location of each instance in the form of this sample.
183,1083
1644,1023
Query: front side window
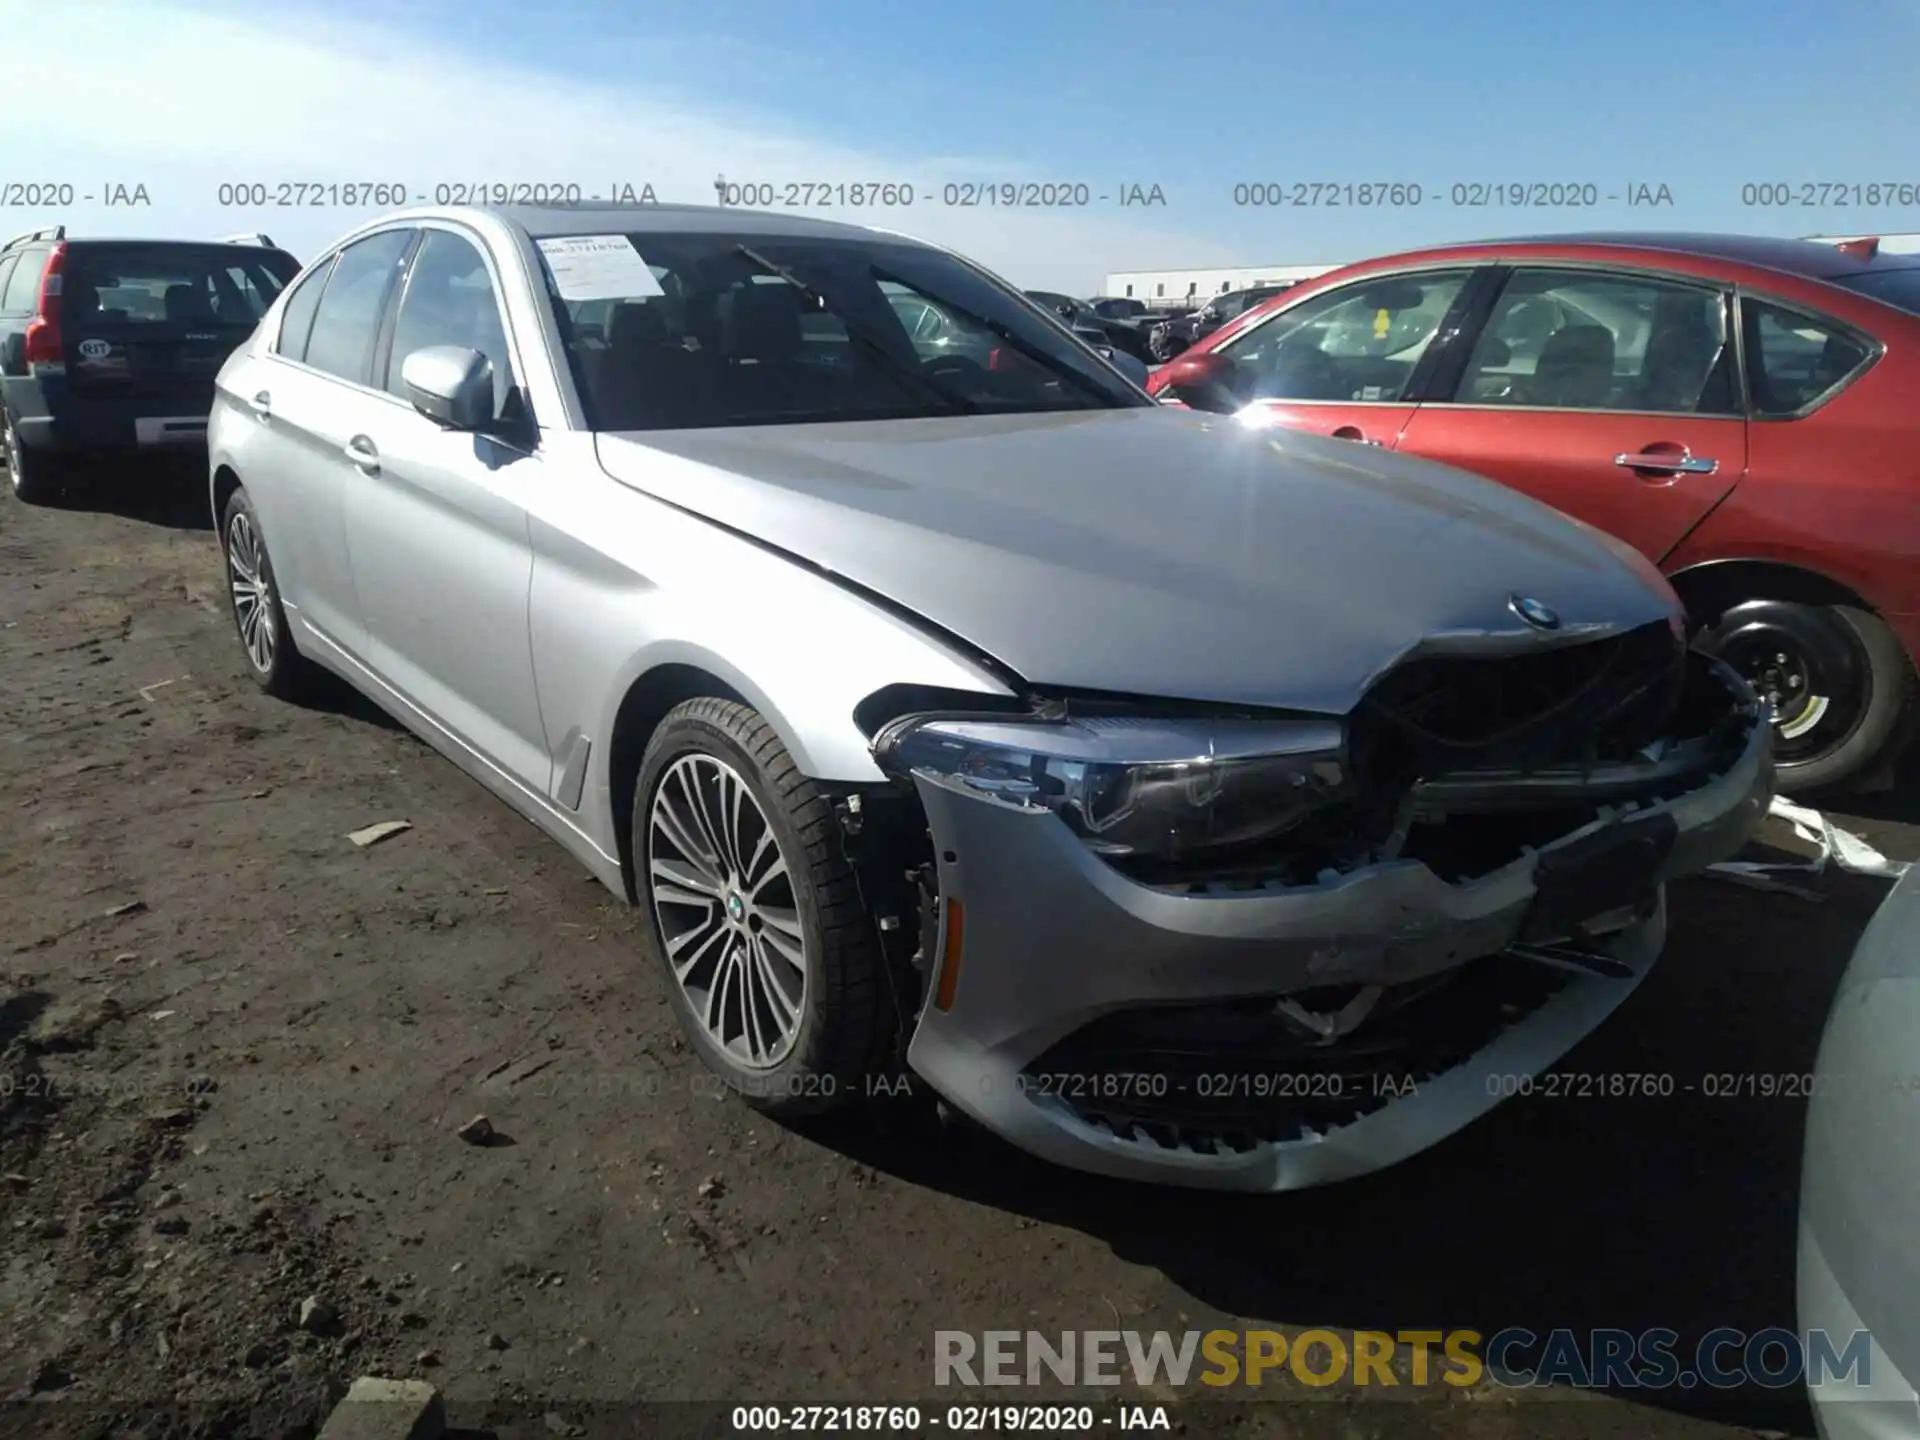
741,329
449,300
110,286
1589,340
348,320
1360,342
1796,361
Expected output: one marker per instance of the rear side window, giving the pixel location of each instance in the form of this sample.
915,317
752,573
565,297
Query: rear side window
1796,361
6,271
23,286
297,319
199,286
348,320
1593,340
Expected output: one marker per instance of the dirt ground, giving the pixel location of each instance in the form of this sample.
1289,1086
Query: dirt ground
237,1050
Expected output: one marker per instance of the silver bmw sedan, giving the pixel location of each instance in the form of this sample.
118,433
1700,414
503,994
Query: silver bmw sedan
1179,799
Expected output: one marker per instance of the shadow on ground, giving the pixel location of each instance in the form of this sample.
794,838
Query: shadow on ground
1675,1213
169,493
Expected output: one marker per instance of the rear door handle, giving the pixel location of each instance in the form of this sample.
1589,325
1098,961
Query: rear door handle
365,458
262,406
1675,464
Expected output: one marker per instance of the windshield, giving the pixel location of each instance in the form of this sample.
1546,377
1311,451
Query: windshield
742,329
158,284
1898,288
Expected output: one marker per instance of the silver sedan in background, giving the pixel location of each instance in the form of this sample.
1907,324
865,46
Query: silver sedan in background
1179,800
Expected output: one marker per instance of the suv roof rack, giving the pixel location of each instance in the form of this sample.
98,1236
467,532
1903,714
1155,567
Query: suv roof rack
51,232
251,238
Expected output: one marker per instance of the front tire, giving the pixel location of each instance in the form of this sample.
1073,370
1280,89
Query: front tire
36,478
276,666
770,960
1839,680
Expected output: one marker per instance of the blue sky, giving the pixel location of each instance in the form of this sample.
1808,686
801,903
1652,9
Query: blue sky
1700,97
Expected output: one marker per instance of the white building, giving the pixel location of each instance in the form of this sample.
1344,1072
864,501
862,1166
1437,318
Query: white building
1175,287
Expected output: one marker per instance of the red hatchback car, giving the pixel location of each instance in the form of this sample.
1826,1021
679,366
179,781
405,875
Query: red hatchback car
1744,411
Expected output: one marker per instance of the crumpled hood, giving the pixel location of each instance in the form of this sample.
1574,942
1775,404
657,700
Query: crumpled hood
1157,552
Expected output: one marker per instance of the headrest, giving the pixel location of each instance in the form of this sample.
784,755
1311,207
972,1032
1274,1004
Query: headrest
636,323
1577,345
763,323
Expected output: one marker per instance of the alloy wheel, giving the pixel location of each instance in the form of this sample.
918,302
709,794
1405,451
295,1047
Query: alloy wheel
729,916
252,591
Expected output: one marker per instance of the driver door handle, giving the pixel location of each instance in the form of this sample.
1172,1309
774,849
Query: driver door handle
262,406
1353,432
1676,464
365,458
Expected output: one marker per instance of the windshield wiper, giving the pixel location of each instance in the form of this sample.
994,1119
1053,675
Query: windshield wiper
863,337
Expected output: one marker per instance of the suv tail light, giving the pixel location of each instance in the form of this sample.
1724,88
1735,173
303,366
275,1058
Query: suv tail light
1866,247
44,345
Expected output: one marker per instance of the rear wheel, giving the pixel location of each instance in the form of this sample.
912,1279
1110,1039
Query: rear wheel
37,478
276,666
1838,679
770,960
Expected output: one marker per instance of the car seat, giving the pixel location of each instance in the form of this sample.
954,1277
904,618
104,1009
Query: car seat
1575,369
1684,346
647,378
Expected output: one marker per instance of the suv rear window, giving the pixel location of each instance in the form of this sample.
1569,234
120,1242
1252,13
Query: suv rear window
158,284
1898,288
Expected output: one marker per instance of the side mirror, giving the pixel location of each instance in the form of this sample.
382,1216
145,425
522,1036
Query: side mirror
1202,381
450,385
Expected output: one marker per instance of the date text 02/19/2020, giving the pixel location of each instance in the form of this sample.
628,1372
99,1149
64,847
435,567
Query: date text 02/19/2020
958,195
395,194
1465,194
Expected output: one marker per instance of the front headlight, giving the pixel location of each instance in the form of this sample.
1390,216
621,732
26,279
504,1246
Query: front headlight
1137,786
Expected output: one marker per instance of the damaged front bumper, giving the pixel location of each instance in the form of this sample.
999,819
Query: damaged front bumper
1136,1030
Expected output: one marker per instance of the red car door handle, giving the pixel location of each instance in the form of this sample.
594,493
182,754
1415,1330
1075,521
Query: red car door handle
1681,464
1352,432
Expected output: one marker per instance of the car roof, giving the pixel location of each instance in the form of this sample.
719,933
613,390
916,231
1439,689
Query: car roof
22,242
543,221
1812,259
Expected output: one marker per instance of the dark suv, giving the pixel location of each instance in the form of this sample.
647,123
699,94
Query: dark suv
110,347
1171,336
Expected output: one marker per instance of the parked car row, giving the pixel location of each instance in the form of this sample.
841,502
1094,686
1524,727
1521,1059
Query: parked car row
1126,324
1739,410
1170,336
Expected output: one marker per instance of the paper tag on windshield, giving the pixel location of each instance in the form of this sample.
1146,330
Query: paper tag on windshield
598,267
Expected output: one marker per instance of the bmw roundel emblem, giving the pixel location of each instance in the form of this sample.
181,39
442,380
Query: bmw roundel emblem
1539,616
95,349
